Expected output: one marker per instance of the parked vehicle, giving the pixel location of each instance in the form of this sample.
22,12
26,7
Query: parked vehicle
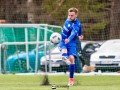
55,62
88,48
107,57
17,62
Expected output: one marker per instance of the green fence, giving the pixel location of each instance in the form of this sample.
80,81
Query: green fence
17,34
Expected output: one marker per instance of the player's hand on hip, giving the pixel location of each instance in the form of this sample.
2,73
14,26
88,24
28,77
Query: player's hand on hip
66,41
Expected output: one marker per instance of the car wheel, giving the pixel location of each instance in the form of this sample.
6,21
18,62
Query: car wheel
20,65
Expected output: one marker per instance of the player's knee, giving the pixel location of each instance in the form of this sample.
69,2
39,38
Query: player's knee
64,50
72,59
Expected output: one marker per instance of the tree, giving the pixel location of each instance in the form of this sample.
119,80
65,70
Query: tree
115,20
15,11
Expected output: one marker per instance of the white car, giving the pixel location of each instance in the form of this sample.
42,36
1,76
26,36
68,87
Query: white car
107,57
55,62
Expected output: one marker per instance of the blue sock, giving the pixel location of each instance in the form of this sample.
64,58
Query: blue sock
71,70
65,55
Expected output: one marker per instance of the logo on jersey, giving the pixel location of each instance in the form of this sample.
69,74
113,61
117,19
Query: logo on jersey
68,25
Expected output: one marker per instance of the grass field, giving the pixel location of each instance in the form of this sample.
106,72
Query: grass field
33,82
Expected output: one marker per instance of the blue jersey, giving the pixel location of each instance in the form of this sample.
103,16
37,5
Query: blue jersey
70,30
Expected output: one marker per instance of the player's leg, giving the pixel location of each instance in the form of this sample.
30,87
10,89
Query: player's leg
72,54
71,70
63,49
64,54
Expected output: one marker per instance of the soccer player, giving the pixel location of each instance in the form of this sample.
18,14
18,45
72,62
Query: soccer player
70,31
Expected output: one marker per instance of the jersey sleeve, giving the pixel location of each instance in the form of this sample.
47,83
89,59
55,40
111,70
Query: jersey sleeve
73,32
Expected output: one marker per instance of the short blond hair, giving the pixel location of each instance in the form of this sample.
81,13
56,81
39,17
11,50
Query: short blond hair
73,10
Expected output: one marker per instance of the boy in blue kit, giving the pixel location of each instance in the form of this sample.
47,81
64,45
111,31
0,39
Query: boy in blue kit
71,30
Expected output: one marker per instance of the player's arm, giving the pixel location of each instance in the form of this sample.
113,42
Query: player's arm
72,35
80,33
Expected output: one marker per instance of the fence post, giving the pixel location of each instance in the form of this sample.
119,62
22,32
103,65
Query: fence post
3,59
45,39
0,59
50,67
27,57
37,47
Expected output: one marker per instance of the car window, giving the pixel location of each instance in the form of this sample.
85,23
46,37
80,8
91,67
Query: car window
48,46
109,43
91,47
111,47
88,47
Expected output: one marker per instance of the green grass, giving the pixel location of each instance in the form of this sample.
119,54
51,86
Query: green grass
33,82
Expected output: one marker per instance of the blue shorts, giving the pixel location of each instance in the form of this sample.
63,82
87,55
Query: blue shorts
70,49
